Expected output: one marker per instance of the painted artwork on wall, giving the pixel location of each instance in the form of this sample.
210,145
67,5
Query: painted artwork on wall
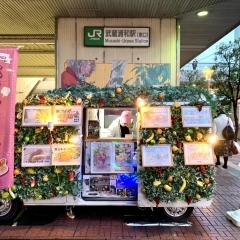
114,74
76,71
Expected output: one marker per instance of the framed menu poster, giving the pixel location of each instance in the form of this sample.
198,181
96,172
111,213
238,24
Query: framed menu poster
67,115
154,117
157,155
198,154
192,117
36,156
66,154
36,115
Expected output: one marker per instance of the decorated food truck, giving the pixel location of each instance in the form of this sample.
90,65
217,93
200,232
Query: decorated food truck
64,155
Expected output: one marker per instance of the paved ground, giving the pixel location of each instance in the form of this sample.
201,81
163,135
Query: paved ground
106,223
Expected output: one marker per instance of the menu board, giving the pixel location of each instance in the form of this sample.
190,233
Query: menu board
154,117
66,154
198,154
36,156
67,115
157,155
193,117
36,115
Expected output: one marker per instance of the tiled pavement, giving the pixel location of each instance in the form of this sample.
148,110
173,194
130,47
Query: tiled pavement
106,223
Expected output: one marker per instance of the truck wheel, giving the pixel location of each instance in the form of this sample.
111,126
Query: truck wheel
176,214
9,209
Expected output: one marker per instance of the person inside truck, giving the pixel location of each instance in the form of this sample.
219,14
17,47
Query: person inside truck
121,125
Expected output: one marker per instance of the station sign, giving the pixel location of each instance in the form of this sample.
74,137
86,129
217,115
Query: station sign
116,37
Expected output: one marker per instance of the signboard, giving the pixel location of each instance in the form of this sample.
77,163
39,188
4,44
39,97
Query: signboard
116,37
36,115
67,116
198,154
192,117
8,79
36,156
154,117
66,154
59,115
157,155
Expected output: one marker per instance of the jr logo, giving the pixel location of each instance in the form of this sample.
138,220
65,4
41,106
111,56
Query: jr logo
97,32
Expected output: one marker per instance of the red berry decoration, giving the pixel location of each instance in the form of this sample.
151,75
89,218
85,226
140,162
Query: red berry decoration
140,142
157,201
53,191
42,99
24,179
49,140
188,199
202,169
71,176
53,132
159,171
174,119
100,102
179,144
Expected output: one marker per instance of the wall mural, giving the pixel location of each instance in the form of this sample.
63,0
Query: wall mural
115,74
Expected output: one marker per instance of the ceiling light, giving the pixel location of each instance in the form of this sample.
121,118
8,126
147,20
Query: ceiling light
202,13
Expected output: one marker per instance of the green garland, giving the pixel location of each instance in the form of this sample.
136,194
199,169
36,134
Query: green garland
48,182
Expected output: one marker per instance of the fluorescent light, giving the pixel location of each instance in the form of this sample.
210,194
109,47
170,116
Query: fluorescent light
202,13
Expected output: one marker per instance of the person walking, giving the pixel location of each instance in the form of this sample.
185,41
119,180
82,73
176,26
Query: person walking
222,146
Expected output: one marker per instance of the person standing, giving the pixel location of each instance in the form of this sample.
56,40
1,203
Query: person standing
222,146
194,64
121,125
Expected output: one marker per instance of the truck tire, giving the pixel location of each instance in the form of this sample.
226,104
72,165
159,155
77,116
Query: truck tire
9,209
175,214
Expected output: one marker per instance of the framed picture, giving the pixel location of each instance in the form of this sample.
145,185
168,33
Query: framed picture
157,155
101,157
192,117
123,157
36,156
154,117
93,129
36,115
198,154
67,115
66,154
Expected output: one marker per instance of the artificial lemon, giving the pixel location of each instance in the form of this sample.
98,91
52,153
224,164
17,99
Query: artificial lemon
188,138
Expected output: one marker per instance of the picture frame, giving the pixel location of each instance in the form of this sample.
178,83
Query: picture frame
36,116
159,155
154,117
101,157
66,154
93,129
198,153
36,156
67,115
193,117
123,154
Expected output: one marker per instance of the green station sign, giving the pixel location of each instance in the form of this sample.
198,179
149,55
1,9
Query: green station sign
115,36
